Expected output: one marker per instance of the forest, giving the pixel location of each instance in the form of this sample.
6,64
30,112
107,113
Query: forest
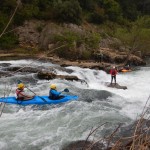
121,17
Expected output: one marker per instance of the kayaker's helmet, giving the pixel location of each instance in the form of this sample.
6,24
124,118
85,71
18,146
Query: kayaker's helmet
53,86
21,86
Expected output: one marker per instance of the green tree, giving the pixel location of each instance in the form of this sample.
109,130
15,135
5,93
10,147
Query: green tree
129,9
46,9
3,21
88,5
8,41
92,41
98,16
136,38
68,11
112,9
7,6
26,12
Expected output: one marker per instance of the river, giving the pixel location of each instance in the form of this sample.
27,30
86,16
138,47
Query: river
52,126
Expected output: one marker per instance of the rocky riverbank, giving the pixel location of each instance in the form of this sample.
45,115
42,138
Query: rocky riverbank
102,60
85,48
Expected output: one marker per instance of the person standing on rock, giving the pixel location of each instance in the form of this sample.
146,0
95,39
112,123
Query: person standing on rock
113,73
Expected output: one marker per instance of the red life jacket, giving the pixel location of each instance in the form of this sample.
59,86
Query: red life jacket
113,72
19,93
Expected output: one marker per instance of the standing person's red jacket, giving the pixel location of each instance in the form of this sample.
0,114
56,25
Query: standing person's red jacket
113,72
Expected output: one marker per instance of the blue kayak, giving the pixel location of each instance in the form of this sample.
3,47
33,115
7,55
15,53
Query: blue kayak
38,100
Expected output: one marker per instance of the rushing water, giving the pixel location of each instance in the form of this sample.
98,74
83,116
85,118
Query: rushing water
50,127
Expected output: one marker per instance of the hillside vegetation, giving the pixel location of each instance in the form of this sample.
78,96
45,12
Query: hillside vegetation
128,21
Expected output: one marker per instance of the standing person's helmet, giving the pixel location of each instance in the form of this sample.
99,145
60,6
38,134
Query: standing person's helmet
53,86
21,86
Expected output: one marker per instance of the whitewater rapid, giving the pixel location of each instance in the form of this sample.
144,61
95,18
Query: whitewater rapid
51,127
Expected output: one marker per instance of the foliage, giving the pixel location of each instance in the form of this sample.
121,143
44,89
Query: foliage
29,11
3,21
69,39
26,12
136,37
72,11
39,28
97,16
112,9
8,41
7,6
92,40
73,42
86,55
129,9
87,4
102,12
68,11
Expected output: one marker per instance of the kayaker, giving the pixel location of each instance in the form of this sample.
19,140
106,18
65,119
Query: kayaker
53,93
21,94
127,67
113,73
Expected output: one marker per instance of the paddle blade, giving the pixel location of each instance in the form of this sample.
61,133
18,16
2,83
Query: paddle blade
66,90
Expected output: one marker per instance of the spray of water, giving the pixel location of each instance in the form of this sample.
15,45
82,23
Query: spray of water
50,127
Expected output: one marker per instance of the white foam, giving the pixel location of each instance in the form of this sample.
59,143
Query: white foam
31,127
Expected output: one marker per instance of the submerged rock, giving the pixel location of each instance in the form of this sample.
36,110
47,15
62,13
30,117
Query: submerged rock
22,69
4,74
82,145
137,133
5,65
50,76
90,95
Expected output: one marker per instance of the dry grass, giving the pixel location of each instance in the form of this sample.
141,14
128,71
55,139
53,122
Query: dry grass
139,140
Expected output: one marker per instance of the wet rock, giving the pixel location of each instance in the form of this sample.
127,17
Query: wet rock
46,75
117,86
21,69
65,69
82,145
113,56
137,61
84,64
71,78
4,74
88,94
5,64
50,76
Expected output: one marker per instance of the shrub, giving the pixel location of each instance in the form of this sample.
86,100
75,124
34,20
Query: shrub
68,11
86,55
73,41
3,21
8,41
67,38
97,16
92,40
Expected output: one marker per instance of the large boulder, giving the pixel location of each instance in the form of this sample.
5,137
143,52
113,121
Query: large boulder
114,56
117,86
50,76
5,64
